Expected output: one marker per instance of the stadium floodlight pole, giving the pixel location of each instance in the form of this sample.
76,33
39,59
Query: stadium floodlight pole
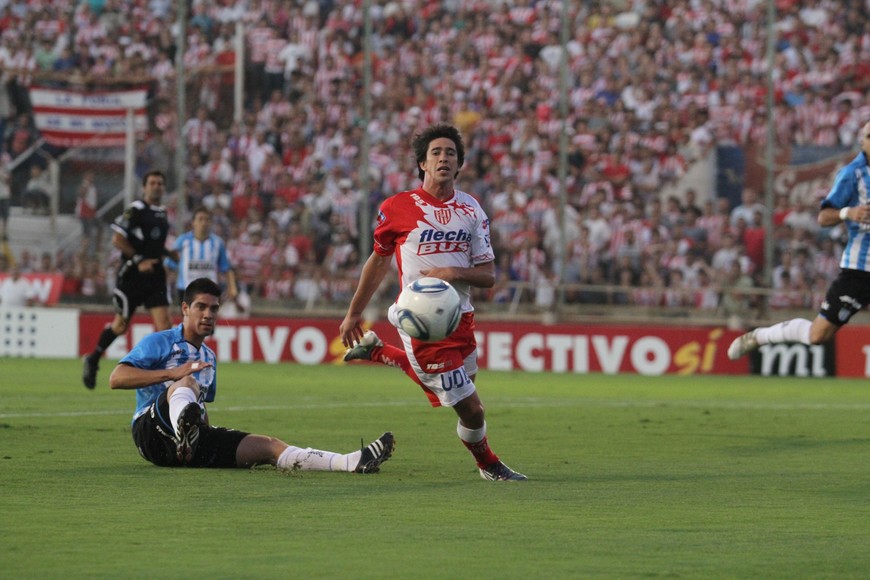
563,152
239,72
769,152
54,178
365,212
129,158
181,115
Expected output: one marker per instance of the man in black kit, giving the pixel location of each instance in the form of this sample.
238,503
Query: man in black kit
140,233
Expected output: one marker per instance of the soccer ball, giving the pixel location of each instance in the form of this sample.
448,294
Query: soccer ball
428,309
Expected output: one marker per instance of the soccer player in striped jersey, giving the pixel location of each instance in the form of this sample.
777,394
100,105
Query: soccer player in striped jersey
202,254
436,231
174,374
849,202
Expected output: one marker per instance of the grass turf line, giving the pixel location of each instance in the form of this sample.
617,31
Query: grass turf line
630,476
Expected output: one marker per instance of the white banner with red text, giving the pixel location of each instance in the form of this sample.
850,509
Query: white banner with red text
76,118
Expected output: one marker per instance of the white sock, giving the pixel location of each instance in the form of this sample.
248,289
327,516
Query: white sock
795,330
309,459
470,435
178,400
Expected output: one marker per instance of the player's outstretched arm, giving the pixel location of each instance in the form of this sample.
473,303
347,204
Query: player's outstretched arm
373,272
129,377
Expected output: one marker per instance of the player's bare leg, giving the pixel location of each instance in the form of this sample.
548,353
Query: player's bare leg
471,429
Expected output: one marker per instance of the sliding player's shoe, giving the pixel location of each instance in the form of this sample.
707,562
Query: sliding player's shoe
376,453
498,471
363,349
743,344
187,432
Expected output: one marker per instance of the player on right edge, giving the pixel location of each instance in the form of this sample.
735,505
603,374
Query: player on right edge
848,201
441,232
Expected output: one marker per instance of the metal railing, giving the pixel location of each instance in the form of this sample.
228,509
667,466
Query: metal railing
751,310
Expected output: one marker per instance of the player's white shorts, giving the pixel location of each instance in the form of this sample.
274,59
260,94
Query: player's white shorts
444,368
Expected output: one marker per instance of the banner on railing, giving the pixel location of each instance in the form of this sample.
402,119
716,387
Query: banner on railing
654,350
44,288
806,182
794,360
71,118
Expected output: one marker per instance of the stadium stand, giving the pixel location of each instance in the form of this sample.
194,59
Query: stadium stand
655,88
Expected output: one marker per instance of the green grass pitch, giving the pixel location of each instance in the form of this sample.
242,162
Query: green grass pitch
692,477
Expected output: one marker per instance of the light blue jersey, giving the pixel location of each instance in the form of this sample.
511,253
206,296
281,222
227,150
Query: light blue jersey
168,350
850,189
199,259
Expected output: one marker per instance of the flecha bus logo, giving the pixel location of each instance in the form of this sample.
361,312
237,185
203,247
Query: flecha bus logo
434,241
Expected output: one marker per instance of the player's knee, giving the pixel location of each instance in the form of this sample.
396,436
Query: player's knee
822,335
822,331
259,450
185,382
276,447
471,412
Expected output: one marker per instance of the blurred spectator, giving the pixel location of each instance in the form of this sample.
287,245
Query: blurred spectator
250,256
200,132
15,291
747,208
20,135
735,300
5,195
87,202
37,192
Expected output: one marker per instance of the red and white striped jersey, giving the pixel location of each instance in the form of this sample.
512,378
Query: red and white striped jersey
425,233
250,259
257,39
273,47
90,33
522,15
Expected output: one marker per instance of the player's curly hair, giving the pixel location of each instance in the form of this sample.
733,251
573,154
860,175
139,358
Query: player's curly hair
422,140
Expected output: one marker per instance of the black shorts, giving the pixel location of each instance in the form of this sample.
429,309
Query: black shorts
155,439
133,291
848,294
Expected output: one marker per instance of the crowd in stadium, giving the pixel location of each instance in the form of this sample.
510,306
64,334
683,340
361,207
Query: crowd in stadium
654,85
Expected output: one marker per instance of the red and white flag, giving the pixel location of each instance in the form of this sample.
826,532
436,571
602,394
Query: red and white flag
69,118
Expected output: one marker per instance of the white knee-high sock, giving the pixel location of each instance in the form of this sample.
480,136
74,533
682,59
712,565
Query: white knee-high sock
795,330
178,400
470,435
309,459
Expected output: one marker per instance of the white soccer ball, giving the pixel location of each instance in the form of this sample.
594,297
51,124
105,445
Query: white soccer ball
428,309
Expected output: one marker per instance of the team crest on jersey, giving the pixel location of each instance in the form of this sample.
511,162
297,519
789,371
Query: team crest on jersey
381,217
443,215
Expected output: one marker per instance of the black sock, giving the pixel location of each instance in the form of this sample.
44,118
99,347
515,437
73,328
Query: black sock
107,337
